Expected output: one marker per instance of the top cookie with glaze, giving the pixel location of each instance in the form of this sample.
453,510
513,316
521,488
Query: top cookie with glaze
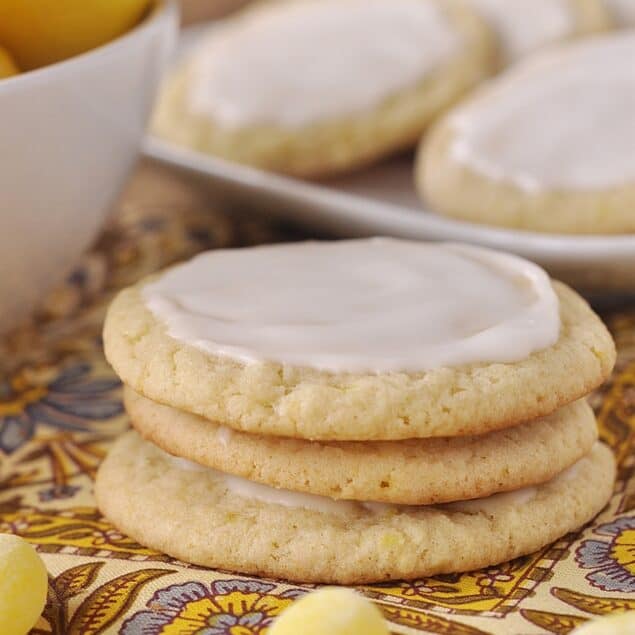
358,340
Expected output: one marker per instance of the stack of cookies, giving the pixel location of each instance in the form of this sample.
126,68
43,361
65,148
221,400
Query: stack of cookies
355,411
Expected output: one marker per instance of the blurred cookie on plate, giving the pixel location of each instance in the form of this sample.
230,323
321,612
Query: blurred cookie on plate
526,25
316,87
548,146
622,11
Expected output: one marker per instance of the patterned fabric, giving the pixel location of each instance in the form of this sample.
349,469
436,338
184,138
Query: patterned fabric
60,408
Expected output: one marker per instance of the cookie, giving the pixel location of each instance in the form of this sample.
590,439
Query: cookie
524,26
378,339
413,472
316,87
622,12
503,157
207,518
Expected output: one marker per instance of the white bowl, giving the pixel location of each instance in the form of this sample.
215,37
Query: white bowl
69,134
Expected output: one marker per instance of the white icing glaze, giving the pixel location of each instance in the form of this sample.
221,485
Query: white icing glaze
293,64
184,464
561,120
525,25
494,503
384,508
572,472
623,11
376,305
287,498
266,494
224,435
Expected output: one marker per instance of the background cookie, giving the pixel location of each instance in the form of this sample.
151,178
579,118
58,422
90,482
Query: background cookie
622,11
414,472
522,26
193,516
267,398
268,110
503,157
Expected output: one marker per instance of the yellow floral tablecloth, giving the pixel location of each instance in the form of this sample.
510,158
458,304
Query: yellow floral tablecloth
60,408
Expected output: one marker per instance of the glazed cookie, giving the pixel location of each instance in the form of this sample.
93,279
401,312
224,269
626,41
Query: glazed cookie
503,157
316,87
526,25
413,472
215,520
377,339
622,11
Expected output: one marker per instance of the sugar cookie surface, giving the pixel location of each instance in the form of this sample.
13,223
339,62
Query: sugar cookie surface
193,516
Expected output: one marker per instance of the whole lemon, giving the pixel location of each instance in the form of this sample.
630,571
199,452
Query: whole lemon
7,65
332,611
616,624
23,585
40,32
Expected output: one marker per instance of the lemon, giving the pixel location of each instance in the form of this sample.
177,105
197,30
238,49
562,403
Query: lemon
335,611
7,65
23,584
40,32
617,624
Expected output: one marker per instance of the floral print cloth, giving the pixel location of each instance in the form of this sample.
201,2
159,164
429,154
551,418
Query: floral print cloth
60,408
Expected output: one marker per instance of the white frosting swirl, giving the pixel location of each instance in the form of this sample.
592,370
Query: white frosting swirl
376,305
524,25
561,120
296,63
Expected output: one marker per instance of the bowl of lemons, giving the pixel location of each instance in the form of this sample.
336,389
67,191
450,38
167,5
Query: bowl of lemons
77,83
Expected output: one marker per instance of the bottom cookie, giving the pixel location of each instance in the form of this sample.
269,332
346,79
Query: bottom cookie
212,519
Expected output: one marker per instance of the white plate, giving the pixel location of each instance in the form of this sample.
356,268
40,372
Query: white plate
382,200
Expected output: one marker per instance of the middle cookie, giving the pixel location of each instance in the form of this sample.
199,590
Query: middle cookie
411,472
